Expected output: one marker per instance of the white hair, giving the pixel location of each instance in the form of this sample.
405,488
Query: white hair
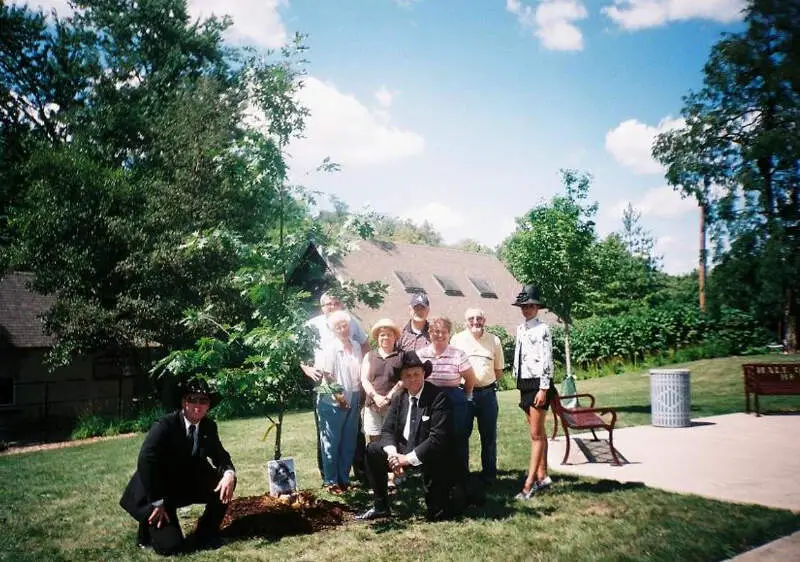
474,312
337,316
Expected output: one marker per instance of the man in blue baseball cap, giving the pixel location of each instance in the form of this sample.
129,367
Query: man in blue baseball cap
415,334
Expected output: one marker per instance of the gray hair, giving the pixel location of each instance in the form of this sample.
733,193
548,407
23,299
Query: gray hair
442,321
337,316
327,295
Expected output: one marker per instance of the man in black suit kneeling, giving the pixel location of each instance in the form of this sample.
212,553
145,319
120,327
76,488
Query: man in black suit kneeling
173,471
416,433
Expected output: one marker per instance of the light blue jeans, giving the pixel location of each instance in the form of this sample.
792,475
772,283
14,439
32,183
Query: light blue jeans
338,432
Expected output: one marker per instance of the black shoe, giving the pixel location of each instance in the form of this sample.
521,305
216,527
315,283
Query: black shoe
374,513
208,542
143,536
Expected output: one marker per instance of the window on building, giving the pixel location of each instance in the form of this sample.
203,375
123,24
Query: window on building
483,287
6,391
448,285
409,281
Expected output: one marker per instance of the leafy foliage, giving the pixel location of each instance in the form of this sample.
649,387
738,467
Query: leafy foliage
551,249
633,337
737,155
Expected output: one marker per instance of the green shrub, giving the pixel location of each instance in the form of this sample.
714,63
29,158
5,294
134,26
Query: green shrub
506,341
507,381
88,425
95,425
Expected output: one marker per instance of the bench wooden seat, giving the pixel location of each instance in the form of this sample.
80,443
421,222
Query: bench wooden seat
769,379
590,418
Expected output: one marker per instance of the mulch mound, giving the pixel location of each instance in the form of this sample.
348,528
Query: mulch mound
296,514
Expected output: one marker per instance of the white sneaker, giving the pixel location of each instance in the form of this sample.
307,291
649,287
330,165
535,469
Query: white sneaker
543,484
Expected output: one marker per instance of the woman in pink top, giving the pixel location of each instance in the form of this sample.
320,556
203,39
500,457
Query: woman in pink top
450,367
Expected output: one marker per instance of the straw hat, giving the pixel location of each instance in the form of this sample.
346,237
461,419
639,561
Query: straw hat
384,323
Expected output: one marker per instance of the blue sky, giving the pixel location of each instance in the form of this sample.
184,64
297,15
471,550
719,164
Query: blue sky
462,112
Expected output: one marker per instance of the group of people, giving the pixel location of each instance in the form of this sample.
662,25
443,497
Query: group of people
415,399
417,396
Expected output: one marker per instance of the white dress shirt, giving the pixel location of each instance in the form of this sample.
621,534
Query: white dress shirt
413,460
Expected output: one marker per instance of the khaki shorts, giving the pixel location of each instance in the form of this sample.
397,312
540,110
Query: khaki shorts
373,422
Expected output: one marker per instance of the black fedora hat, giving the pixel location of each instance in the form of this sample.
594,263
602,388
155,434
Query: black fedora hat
408,360
195,385
528,295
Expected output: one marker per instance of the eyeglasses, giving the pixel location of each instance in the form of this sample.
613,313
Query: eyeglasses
198,399
475,318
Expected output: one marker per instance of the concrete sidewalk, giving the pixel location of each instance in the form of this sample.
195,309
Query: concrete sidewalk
735,457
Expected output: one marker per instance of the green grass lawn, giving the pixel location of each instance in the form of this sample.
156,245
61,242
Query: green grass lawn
62,504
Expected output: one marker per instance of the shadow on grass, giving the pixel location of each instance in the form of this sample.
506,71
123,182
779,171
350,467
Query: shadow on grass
568,484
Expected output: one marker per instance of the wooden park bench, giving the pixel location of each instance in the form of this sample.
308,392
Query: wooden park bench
584,418
770,379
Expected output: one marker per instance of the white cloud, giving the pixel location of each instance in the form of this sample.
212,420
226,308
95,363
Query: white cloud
385,97
346,130
255,22
553,22
631,141
439,215
640,14
659,203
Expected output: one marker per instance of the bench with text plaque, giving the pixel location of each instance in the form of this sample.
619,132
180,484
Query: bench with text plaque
590,418
770,379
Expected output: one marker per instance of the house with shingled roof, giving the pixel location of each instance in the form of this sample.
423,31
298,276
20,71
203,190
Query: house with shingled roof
28,389
454,281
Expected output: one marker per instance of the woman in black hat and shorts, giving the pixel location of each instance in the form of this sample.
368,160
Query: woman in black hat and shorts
533,369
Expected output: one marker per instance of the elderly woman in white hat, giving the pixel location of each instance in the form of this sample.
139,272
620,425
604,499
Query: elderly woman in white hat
377,369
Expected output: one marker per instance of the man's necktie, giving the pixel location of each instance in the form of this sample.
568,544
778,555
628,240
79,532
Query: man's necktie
193,439
413,421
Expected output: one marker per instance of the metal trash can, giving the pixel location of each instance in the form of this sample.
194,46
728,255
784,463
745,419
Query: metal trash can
670,397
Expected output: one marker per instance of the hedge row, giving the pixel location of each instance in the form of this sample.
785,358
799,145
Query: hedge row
636,336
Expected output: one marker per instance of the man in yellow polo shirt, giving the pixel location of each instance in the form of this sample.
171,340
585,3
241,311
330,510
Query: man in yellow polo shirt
485,355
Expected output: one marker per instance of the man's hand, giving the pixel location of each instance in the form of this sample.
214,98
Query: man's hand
158,517
540,398
312,373
226,487
397,463
380,400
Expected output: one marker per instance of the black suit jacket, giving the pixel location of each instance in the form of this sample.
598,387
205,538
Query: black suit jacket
433,431
166,469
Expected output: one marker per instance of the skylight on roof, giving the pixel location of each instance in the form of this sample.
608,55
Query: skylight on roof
409,281
483,287
448,285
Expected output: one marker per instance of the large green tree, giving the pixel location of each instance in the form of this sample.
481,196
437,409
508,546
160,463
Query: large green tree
551,248
142,145
739,155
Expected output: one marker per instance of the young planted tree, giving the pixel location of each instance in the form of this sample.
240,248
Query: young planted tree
551,248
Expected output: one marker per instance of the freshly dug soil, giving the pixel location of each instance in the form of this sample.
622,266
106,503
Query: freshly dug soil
270,517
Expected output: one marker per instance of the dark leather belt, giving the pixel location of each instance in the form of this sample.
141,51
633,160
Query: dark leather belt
487,387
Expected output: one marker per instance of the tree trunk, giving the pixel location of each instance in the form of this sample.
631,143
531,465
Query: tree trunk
790,322
701,266
567,358
279,429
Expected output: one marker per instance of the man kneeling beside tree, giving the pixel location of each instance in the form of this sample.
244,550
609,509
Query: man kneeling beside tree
173,471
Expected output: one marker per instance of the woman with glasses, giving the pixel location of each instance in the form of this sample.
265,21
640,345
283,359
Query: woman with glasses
452,373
